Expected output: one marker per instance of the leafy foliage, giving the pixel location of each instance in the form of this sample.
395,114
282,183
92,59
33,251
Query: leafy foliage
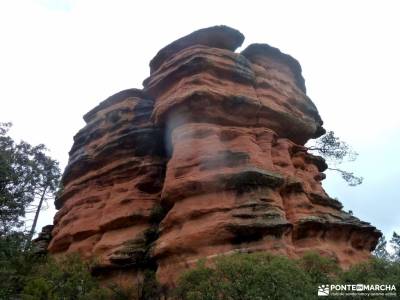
332,148
238,276
320,269
380,249
27,177
375,271
16,262
264,276
336,152
246,276
395,242
26,174
148,287
68,278
349,177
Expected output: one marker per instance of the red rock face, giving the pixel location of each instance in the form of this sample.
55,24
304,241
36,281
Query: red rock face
111,184
215,140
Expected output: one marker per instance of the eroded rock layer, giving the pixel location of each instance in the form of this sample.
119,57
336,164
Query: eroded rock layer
216,141
111,184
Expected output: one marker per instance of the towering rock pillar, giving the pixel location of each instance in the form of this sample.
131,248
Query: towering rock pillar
216,139
238,177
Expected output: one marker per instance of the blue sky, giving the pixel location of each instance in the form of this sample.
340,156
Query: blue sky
59,58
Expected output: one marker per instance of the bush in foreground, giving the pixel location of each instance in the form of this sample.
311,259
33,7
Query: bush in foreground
264,276
16,263
68,278
239,276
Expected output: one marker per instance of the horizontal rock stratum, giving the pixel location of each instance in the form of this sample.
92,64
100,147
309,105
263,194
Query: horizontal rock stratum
207,159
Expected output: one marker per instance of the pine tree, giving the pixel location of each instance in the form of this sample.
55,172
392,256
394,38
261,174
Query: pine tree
335,151
380,250
27,178
395,243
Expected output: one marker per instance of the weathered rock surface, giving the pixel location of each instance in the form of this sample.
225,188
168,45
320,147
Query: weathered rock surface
222,37
112,183
216,141
42,241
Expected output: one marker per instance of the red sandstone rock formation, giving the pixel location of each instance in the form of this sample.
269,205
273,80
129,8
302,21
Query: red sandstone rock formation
215,139
111,184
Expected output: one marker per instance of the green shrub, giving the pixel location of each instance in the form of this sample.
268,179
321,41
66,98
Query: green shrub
374,271
157,214
247,276
238,276
16,263
198,283
264,276
68,278
321,270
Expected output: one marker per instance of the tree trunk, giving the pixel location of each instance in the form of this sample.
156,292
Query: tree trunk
39,207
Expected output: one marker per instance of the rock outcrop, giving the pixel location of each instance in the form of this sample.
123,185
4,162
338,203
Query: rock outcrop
41,243
112,184
207,159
